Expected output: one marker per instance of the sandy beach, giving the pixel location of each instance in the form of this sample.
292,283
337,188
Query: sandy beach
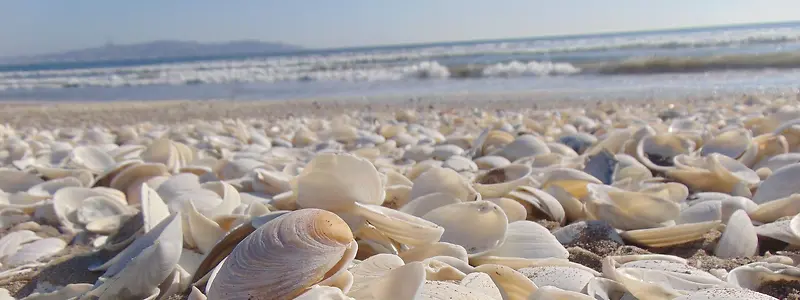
580,128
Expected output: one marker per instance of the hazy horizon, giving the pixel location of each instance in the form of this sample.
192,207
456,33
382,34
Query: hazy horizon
41,27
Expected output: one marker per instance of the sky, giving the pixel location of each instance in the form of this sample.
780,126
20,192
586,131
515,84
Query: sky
44,26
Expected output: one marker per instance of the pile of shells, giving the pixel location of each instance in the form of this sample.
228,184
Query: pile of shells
597,202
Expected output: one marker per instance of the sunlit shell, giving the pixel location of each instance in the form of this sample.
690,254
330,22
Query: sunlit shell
311,245
499,182
478,226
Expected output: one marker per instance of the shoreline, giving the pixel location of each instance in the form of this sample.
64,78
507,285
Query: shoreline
54,114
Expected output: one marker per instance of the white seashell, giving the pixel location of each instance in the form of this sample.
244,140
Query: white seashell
34,251
91,158
321,292
725,293
606,289
512,284
424,204
441,180
422,252
137,271
526,239
514,210
443,152
444,290
497,183
551,292
11,242
754,275
399,226
478,226
482,282
491,162
657,151
285,257
438,270
372,268
731,143
670,235
523,146
657,276
12,181
778,161
627,210
271,182
321,184
539,204
460,164
562,277
787,231
780,184
68,200
401,282
776,209
739,238
48,188
98,207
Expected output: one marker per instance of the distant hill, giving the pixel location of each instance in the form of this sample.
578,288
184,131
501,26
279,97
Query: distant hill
154,50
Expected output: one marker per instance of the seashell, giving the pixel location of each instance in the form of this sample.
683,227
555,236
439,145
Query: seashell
91,158
717,173
579,141
12,181
438,270
424,204
725,293
444,290
443,152
511,283
739,238
731,143
397,196
312,245
320,185
401,282
629,210
657,151
514,210
657,276
551,292
776,209
526,239
606,289
778,185
482,282
755,275
460,164
419,153
478,226
67,201
48,188
131,273
539,204
422,252
34,251
776,162
499,182
441,180
671,235
764,147
787,231
98,207
271,182
399,226
491,162
135,173
523,146
11,242
70,291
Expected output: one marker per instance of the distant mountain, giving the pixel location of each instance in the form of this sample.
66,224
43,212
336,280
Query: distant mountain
155,50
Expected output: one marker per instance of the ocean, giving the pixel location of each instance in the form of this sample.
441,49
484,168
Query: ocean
700,61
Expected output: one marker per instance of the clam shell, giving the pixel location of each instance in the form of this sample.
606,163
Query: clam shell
499,182
627,210
422,252
511,283
424,204
12,181
482,282
781,184
401,282
286,257
321,184
478,226
671,235
523,146
731,143
11,242
514,210
138,270
787,231
754,275
441,180
539,204
657,151
34,251
526,239
739,238
444,290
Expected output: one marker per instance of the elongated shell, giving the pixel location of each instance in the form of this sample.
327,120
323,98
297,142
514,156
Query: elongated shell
285,257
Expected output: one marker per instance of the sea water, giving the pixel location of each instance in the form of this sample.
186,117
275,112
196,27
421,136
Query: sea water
703,61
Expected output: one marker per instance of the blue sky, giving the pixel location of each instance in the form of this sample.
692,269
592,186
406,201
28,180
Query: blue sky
40,26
